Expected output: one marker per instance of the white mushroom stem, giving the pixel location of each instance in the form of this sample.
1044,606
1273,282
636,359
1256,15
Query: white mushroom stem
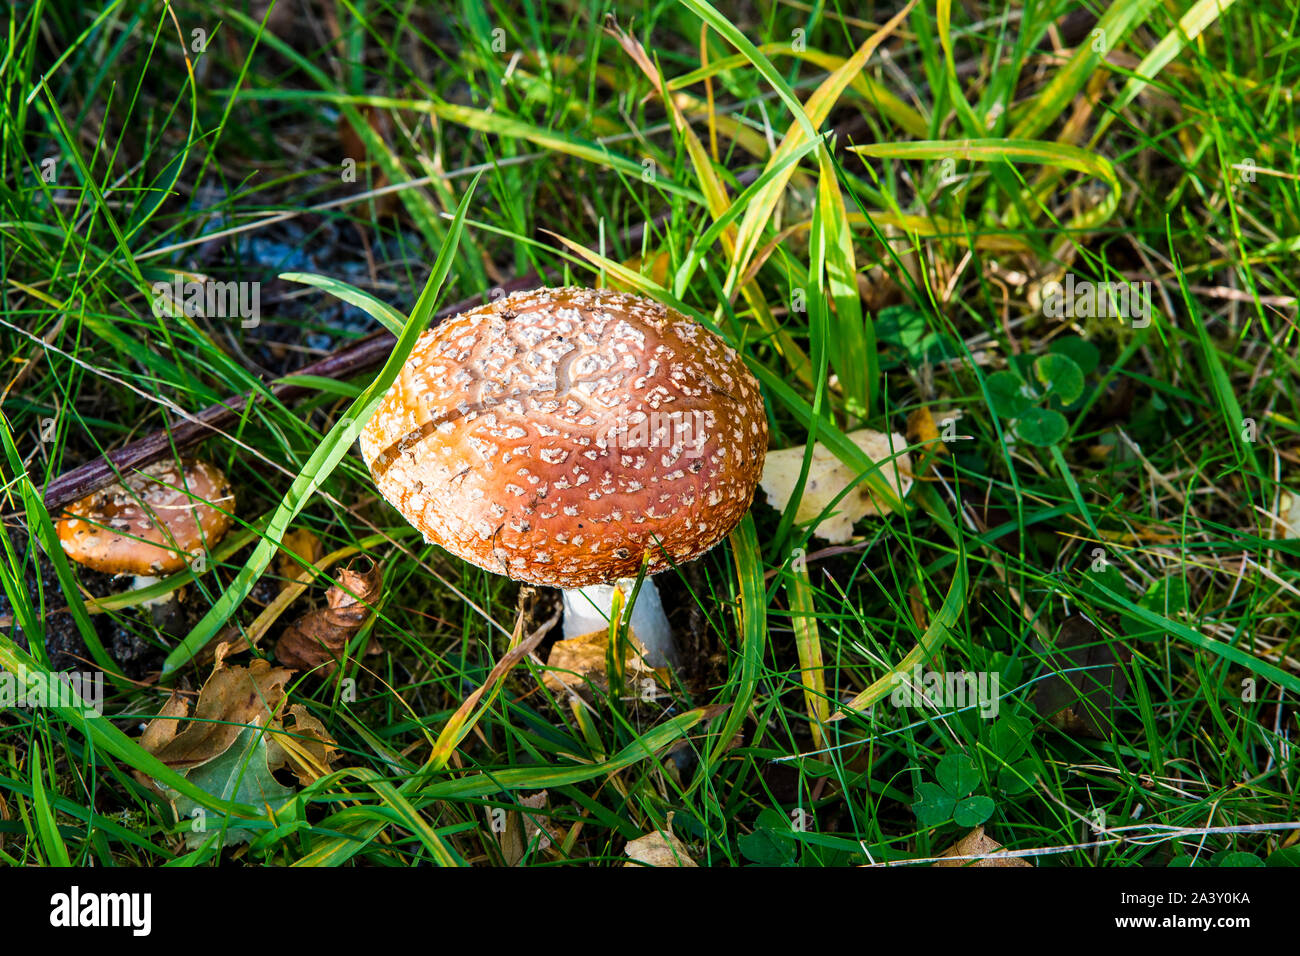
588,609
140,581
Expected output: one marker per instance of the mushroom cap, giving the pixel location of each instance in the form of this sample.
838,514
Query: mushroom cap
149,524
557,436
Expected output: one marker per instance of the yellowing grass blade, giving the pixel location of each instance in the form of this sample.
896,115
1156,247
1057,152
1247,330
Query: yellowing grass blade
854,358
1193,23
813,113
636,281
686,270
922,227
1119,19
462,721
864,86
715,194
725,28
808,642
941,625
943,22
1060,155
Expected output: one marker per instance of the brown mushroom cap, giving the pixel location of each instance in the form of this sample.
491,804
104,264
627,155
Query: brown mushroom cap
149,525
558,435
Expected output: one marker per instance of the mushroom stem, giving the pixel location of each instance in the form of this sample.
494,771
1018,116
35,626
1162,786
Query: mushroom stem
588,609
141,581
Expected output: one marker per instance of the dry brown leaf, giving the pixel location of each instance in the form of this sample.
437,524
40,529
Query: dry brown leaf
1085,682
302,744
828,476
1286,522
161,729
522,831
579,660
979,843
224,643
532,830
659,849
877,289
318,638
233,698
298,546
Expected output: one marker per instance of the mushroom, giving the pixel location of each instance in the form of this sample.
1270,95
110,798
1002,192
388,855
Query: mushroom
157,521
564,437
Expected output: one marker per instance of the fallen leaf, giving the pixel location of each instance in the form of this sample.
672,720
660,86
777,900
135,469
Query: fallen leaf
877,289
1286,522
1079,697
522,833
979,843
234,742
532,831
163,728
233,698
828,476
241,774
301,743
653,266
319,637
581,662
299,546
921,429
659,849
225,642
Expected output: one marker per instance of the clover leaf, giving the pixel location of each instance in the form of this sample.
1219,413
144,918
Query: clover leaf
1059,377
1086,355
1010,742
908,331
1054,381
950,798
1010,396
764,847
1042,426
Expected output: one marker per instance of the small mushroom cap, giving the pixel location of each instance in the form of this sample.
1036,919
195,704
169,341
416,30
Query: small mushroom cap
153,523
557,436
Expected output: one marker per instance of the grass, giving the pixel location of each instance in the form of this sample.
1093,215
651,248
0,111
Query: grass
871,206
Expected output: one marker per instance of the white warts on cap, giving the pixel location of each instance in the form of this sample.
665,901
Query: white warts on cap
559,435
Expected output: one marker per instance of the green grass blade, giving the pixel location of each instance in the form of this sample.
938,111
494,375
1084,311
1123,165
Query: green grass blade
333,448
